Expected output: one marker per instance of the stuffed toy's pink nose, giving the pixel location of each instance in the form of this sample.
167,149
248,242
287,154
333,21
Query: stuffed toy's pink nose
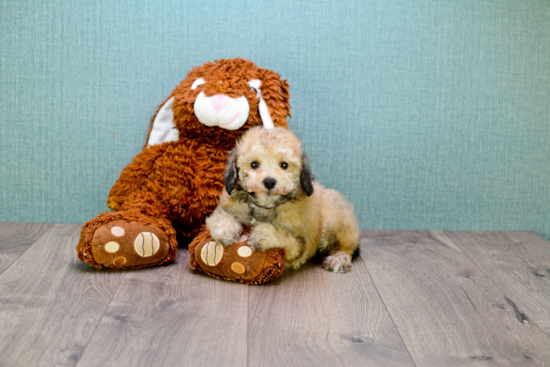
219,101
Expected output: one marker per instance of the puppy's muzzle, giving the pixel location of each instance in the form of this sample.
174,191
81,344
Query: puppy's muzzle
270,183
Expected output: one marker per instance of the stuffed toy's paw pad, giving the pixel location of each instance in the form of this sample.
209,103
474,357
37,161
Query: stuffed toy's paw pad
120,244
238,261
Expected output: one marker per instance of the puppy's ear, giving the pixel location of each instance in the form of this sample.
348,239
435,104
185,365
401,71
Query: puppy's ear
306,178
230,174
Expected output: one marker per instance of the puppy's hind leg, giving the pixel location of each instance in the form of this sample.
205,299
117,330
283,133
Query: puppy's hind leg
344,233
338,262
346,248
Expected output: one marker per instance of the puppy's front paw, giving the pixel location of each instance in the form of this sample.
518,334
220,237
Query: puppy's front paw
225,236
339,262
261,236
224,228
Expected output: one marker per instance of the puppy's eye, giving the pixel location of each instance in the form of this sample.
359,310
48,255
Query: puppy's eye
284,165
254,165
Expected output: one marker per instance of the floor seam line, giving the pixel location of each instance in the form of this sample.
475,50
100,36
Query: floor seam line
27,249
97,325
387,310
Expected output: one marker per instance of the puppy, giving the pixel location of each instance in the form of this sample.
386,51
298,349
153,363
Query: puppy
269,187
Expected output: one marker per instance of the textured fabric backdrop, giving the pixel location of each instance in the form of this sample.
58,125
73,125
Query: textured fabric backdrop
425,114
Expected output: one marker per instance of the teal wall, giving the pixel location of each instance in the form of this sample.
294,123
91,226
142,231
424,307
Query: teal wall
426,114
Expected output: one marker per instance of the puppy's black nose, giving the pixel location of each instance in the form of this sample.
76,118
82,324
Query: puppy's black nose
270,183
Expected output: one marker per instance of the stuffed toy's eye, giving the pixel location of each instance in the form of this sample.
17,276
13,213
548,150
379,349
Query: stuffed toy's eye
197,82
257,90
255,86
284,165
254,165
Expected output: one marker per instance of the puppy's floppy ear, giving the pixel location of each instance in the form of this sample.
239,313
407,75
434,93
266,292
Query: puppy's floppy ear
306,178
230,174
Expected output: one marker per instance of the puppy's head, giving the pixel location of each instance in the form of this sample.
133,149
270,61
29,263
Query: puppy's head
269,167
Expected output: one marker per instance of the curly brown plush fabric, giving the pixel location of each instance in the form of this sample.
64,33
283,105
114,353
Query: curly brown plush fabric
174,186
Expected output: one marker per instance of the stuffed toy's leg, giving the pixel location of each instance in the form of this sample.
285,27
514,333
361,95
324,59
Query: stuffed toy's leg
127,239
153,193
236,262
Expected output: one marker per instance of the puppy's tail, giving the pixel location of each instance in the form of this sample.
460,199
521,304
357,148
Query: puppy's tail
356,253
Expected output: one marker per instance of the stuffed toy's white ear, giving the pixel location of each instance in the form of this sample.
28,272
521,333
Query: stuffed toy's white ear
264,112
265,116
164,129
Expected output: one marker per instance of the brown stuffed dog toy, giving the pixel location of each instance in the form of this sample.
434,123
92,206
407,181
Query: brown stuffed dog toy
175,182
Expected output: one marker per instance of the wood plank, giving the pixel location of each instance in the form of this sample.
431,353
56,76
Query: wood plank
520,268
535,251
311,317
172,316
16,238
447,310
50,302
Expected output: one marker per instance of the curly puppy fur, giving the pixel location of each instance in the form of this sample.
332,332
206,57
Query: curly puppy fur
269,187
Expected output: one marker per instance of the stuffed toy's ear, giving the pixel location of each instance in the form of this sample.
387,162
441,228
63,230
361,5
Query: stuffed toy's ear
267,122
230,174
306,178
163,129
275,93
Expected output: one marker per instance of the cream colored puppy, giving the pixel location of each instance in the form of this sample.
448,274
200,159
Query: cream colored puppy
269,187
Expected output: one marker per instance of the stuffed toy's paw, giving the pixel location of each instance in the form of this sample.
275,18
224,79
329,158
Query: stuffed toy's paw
125,240
237,262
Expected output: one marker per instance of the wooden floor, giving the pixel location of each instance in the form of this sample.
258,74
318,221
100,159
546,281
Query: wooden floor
413,298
